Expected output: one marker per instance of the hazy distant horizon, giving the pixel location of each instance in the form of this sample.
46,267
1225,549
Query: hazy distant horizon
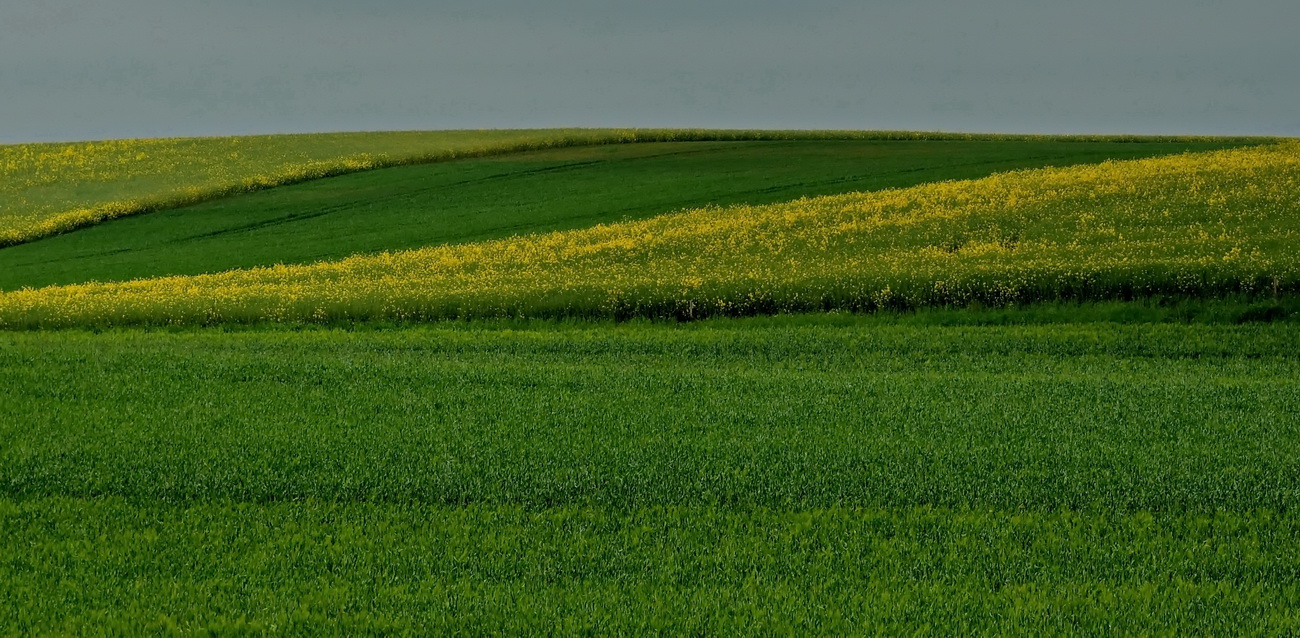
714,128
81,70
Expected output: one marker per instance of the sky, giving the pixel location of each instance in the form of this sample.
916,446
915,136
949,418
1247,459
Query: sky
95,69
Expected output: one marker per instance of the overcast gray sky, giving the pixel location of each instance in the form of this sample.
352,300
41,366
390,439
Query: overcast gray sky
90,69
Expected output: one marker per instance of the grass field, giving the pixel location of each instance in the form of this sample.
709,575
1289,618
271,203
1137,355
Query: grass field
796,473
47,189
1196,224
1001,453
475,200
52,188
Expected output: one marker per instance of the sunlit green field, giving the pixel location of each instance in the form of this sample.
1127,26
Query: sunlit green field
1121,463
793,474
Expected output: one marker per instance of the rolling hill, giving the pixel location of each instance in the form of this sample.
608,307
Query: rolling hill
737,382
47,189
516,194
1192,225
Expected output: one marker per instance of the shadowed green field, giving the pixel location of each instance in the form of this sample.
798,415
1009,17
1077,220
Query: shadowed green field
477,199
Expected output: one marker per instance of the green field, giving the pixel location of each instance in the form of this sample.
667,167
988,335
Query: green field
478,199
1123,464
800,473
47,189
1194,225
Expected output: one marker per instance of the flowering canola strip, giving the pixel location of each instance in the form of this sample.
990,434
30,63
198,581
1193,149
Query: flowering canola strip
52,188
1199,224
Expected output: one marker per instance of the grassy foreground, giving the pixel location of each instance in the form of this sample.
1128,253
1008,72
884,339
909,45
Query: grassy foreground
514,194
1202,224
319,568
835,473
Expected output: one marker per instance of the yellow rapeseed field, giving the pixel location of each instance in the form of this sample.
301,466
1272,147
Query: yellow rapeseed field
52,188
1193,224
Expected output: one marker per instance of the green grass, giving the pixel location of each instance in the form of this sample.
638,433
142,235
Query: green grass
775,415
1114,467
51,188
91,566
47,189
830,473
478,199
1194,225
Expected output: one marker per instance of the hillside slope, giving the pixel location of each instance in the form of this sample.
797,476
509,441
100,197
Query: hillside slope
46,189
517,193
1195,224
